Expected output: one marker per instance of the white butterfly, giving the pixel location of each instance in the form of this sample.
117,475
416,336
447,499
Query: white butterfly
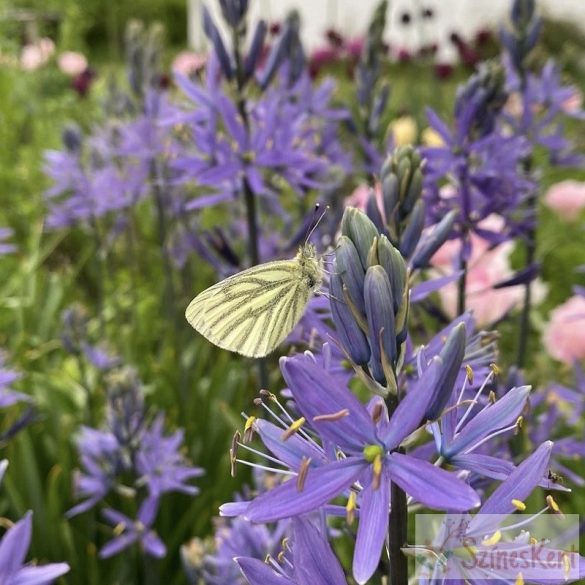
253,311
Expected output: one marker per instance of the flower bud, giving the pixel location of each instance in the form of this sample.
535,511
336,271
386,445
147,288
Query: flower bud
380,315
351,271
391,260
452,357
351,336
360,230
434,241
413,231
255,49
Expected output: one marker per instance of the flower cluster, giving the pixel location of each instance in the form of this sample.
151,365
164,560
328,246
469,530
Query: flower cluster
133,458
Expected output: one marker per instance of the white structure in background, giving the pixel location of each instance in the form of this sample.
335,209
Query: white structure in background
351,17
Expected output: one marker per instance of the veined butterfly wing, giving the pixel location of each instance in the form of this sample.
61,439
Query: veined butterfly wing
253,311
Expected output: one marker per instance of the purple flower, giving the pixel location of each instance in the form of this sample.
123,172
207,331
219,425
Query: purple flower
131,532
8,397
161,465
5,247
313,562
369,442
13,548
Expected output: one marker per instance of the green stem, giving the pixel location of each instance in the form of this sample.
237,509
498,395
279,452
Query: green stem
397,523
249,197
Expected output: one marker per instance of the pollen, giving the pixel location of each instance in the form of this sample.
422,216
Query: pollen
493,539
377,471
519,579
293,428
519,505
496,371
469,373
350,508
303,471
553,505
249,429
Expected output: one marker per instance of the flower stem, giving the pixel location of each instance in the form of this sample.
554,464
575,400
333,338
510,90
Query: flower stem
249,197
462,284
397,523
397,536
530,256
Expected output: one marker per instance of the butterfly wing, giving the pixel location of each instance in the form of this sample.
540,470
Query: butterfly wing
252,312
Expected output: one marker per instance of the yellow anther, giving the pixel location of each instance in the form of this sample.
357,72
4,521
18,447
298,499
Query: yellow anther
303,471
492,397
119,529
350,507
294,427
533,540
495,369
493,539
520,422
284,543
519,579
249,422
377,471
567,565
469,373
553,505
280,556
519,505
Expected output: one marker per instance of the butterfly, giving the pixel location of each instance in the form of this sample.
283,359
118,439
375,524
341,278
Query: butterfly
252,312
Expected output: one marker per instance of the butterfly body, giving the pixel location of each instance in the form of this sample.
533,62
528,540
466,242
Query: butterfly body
253,311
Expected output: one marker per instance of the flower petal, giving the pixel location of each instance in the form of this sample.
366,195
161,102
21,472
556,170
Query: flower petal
259,573
318,393
314,561
372,530
430,485
320,486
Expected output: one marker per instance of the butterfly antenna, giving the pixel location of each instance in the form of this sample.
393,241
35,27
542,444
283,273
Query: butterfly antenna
317,221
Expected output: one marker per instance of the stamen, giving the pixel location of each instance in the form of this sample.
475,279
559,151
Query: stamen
119,529
350,507
293,428
234,453
492,397
491,436
567,565
266,468
377,471
377,412
331,417
493,539
519,505
519,422
249,429
469,373
303,471
554,506
519,579
487,380
495,369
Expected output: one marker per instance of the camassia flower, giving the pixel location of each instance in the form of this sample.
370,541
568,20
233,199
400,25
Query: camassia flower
485,546
13,548
359,457
312,563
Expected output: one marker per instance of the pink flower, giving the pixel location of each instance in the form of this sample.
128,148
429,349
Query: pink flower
34,56
574,103
567,198
72,63
564,336
360,195
487,267
188,62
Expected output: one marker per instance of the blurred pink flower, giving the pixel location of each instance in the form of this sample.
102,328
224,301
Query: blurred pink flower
359,197
188,62
567,198
564,336
574,103
34,56
486,269
72,63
